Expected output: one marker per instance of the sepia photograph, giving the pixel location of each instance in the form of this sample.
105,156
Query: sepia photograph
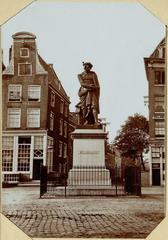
84,120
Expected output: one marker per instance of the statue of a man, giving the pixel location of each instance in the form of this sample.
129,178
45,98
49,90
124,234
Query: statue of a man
88,107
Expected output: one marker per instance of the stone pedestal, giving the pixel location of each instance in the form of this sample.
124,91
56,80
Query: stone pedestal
89,171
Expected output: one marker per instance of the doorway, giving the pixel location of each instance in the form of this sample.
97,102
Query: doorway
36,168
156,177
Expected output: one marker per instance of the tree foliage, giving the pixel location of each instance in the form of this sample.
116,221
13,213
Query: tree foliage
133,137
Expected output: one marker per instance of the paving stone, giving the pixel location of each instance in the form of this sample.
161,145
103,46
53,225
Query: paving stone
120,217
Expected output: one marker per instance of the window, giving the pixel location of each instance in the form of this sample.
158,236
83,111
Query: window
24,52
65,129
159,77
65,150
66,110
155,152
50,150
163,152
159,128
159,102
7,154
60,149
34,93
33,117
52,99
38,147
24,154
51,121
163,52
24,69
13,118
61,127
61,106
14,93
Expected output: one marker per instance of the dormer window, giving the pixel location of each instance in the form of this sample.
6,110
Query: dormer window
24,69
24,52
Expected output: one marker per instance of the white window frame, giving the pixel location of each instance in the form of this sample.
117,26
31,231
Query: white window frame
66,110
13,99
161,80
52,99
65,151
61,124
60,149
51,121
38,146
65,129
19,64
36,110
23,55
39,92
19,113
61,106
159,128
7,152
50,153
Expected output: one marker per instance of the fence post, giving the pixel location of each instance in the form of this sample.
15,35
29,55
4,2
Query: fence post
41,179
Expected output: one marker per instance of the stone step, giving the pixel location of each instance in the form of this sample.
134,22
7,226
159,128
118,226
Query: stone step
34,183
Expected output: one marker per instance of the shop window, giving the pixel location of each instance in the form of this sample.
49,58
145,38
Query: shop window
7,153
24,145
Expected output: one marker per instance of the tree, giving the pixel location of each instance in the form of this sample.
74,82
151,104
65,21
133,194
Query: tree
133,138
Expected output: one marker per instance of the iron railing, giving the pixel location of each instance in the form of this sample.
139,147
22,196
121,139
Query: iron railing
121,180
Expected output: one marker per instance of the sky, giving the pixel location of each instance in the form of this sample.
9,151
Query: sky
114,37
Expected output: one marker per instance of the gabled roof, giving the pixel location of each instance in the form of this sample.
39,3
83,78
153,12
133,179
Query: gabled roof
159,46
23,35
53,78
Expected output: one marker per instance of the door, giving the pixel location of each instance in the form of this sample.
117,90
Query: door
156,177
36,168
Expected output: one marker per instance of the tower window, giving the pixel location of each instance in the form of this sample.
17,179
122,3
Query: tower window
159,77
24,52
24,69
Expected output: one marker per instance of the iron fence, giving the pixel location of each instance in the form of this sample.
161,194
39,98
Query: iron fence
121,180
89,176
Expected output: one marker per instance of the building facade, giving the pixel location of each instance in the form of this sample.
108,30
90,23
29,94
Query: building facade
155,71
35,113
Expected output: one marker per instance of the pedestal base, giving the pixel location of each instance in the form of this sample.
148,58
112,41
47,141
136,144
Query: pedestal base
89,176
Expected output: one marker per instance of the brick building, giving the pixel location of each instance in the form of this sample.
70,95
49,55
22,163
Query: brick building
35,113
155,71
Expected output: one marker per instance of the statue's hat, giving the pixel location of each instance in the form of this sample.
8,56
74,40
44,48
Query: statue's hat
87,63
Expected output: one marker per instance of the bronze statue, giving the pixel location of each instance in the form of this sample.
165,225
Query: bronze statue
88,107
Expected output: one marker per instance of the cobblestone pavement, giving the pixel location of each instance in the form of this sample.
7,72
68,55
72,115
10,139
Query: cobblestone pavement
82,217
